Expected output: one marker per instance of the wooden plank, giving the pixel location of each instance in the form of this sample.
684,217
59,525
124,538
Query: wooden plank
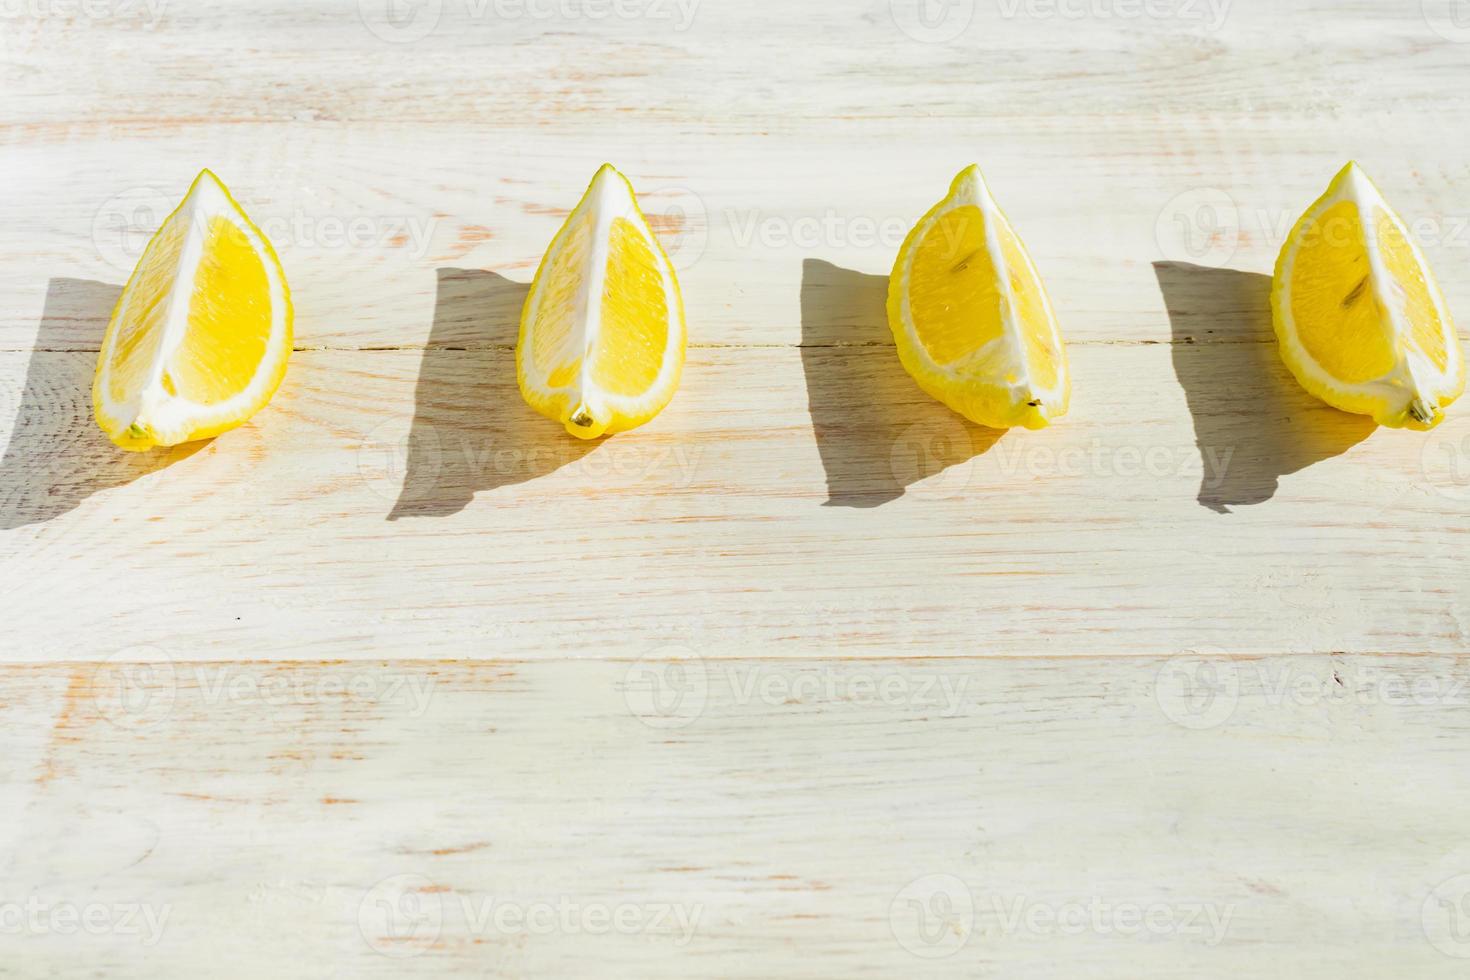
711,66
752,162
369,217
799,502
807,678
1138,819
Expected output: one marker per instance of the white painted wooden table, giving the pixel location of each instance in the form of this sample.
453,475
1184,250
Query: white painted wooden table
808,677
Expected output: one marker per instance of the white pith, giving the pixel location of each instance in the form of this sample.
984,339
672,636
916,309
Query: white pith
1414,377
609,198
169,419
970,189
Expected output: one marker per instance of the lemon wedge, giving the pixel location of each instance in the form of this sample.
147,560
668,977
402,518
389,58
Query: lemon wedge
602,335
971,318
199,339
1360,319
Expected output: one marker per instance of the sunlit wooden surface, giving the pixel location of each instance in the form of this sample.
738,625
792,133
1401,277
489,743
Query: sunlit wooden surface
398,646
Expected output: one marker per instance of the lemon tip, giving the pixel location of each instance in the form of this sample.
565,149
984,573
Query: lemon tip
1423,414
968,177
207,177
610,188
607,173
585,422
134,438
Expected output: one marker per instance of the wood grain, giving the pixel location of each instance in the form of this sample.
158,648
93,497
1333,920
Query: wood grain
802,502
807,678
743,818
1113,143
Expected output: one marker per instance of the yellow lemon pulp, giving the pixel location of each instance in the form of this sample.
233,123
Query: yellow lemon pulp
1360,319
229,320
971,317
199,340
602,335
